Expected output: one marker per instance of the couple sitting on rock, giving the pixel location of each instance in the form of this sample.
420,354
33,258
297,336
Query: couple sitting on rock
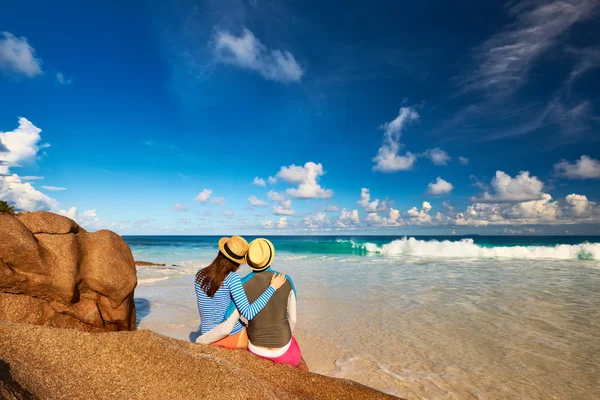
264,301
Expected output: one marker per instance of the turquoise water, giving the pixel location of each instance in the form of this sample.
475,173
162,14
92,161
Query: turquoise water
421,317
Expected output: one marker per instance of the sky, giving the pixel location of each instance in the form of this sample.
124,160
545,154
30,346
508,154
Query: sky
304,117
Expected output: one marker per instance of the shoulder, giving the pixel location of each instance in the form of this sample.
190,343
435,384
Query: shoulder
232,278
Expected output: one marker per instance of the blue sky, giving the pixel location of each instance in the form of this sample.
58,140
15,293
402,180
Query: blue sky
383,117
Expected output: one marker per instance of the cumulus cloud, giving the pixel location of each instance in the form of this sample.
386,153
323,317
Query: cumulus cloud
371,206
23,196
180,207
437,156
204,196
284,207
584,168
87,219
439,187
332,208
17,56
259,181
282,223
388,158
19,146
256,202
306,177
274,196
272,180
53,188
505,59
579,204
318,221
420,216
269,224
507,189
348,218
247,52
463,160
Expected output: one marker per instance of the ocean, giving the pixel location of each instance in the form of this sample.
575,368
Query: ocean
424,317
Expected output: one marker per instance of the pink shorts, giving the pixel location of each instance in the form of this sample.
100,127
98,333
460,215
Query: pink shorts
292,356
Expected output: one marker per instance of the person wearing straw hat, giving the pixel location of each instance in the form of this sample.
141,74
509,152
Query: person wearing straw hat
270,332
218,285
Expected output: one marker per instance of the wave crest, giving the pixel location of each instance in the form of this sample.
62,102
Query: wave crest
466,248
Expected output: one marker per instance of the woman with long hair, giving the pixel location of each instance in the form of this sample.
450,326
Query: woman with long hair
218,284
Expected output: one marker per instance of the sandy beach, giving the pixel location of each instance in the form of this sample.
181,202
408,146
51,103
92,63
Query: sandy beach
422,327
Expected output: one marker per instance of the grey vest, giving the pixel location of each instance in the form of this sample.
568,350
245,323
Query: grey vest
270,327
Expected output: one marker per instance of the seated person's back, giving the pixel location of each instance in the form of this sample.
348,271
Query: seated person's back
271,327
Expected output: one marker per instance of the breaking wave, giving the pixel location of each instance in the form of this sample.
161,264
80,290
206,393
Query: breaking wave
466,248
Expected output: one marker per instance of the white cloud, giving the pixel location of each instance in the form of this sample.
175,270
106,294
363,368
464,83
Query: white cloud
421,216
23,196
284,208
268,224
505,59
204,196
332,208
371,206
256,202
463,160
348,218
259,181
19,146
31,178
394,216
87,219
218,200
53,188
318,221
282,223
518,189
17,56
584,168
62,79
274,196
579,204
180,207
248,52
440,187
437,156
272,180
306,178
388,158
228,213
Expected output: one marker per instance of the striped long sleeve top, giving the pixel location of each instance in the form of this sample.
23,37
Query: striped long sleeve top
212,310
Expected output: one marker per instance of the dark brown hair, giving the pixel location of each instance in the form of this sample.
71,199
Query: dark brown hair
211,278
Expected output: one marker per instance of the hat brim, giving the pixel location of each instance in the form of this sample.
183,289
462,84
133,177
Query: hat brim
222,242
262,268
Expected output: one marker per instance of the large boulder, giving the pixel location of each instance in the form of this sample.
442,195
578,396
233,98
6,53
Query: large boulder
54,273
48,363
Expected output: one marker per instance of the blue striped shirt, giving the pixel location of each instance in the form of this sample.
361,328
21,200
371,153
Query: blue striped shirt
212,310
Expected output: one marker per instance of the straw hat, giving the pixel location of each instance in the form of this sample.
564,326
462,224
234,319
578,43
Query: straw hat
234,248
260,254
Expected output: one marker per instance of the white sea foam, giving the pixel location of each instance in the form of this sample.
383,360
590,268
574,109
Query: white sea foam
153,280
466,248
